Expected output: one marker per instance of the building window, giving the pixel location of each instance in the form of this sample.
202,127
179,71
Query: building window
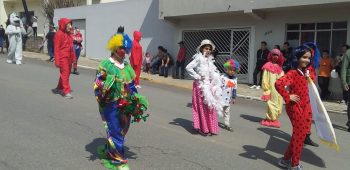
327,35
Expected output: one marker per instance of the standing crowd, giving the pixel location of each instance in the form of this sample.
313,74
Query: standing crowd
213,94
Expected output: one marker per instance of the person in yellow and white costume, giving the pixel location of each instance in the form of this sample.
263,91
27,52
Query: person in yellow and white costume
272,71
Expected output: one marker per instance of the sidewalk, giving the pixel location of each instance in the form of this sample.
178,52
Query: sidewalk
243,89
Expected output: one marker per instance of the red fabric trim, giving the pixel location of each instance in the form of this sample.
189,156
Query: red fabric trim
265,97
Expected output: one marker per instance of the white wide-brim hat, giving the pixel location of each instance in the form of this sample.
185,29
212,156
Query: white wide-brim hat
206,42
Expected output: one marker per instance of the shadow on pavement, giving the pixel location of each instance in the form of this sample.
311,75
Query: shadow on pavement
186,124
92,148
189,105
251,118
340,127
255,153
278,143
276,133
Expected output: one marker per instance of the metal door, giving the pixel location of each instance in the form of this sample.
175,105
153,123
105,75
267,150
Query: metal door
230,43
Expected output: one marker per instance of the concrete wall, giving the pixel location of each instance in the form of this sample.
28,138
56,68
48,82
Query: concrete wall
271,29
170,8
102,21
3,16
108,1
101,1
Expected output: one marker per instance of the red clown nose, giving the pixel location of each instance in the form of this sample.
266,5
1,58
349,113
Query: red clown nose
275,58
121,53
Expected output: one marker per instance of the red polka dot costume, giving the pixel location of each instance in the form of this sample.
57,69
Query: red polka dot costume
300,113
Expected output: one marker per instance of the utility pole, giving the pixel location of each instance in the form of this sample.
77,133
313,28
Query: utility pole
28,18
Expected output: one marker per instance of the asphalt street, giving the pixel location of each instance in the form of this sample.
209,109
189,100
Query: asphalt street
41,131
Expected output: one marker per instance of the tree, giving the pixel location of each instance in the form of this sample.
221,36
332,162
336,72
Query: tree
28,19
49,6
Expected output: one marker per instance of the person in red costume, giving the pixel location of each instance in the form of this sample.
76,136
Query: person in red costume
136,57
77,44
297,101
64,56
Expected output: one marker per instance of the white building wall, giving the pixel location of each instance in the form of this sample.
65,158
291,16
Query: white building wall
170,8
3,16
108,1
102,21
272,29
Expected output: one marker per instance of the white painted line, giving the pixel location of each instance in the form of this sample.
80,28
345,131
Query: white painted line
87,67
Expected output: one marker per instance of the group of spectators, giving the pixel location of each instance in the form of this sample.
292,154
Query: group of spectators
327,65
162,62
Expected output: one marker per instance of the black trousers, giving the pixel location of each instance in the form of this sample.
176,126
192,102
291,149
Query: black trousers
323,82
345,93
35,30
180,64
164,71
345,96
256,72
348,110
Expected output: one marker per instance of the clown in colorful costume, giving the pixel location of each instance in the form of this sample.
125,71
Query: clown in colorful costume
118,101
272,71
229,90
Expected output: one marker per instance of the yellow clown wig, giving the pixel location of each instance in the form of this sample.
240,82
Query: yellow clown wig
115,42
119,40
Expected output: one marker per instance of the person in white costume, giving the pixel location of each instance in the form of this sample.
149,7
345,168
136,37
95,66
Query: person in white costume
14,31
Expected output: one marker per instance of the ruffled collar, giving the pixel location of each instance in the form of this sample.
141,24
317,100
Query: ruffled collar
273,68
210,57
117,64
305,73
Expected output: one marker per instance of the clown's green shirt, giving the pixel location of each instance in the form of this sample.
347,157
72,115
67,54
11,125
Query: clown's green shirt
113,81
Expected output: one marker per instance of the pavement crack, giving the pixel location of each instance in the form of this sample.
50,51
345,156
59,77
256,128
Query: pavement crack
86,127
6,165
151,150
196,163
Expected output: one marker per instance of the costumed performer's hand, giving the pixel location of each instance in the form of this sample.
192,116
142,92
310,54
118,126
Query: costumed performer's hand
295,98
346,87
227,110
233,101
197,77
21,23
